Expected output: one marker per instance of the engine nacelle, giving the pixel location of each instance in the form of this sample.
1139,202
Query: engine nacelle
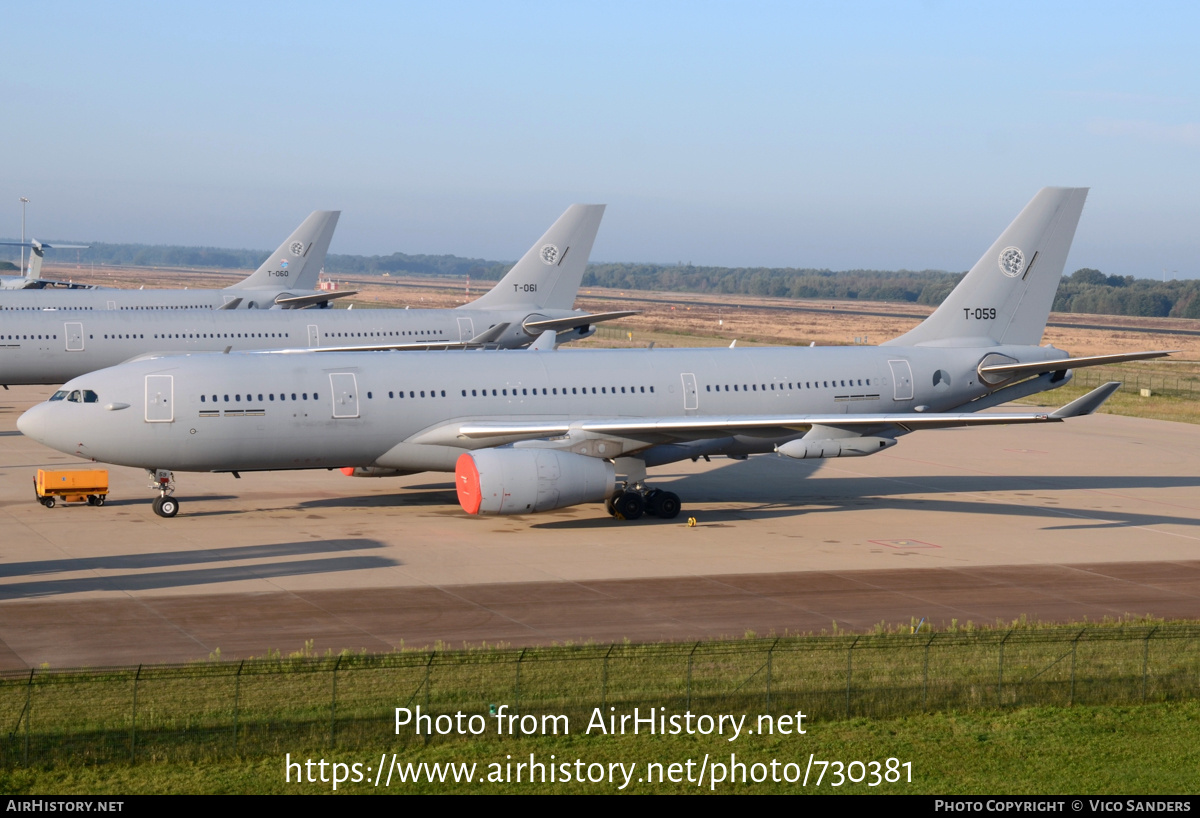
522,481
803,449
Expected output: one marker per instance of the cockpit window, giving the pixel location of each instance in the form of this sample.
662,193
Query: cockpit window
90,397
59,395
74,397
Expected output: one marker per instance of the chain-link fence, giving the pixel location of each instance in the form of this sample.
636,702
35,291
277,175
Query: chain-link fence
1135,380
260,707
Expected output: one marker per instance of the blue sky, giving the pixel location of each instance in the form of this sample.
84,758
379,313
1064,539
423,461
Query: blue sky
841,135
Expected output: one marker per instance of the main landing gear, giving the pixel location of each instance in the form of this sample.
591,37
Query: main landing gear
634,501
164,483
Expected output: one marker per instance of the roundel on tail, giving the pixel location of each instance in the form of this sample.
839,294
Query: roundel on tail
297,248
1012,261
549,254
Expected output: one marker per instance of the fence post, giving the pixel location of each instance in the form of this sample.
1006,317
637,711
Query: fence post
237,695
517,705
428,665
1146,660
689,676
133,727
770,654
925,674
1074,645
849,672
1000,672
333,705
28,712
604,680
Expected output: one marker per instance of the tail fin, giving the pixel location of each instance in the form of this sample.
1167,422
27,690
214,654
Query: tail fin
548,276
36,256
1007,295
297,263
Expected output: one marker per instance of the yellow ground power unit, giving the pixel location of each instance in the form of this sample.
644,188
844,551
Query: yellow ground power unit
72,486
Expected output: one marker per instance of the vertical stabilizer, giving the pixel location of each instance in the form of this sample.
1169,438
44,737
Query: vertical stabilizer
297,263
36,256
1007,295
548,276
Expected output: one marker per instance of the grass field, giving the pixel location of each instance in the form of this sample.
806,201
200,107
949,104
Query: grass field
930,699
1147,749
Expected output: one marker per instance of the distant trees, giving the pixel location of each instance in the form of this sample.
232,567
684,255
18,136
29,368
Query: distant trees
1086,290
1091,291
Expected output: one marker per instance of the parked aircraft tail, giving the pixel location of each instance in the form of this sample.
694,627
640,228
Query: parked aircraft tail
36,256
548,276
297,263
1007,295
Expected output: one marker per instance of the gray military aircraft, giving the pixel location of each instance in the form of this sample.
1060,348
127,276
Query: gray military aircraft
536,295
287,279
31,277
528,431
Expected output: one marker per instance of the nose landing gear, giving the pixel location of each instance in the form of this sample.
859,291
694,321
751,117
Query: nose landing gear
164,483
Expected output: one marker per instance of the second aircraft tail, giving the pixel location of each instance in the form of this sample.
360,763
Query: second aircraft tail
549,275
297,263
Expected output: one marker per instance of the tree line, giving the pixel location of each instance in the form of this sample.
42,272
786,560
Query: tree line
1085,291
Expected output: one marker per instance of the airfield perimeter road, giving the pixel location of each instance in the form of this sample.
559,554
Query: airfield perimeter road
1098,517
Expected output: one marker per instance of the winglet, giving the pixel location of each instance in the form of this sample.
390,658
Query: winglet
545,341
1087,404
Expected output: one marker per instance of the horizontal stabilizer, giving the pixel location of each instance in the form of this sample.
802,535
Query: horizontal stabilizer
1088,403
231,304
1069,363
299,302
574,321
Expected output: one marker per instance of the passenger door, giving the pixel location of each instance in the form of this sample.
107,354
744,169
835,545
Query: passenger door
345,394
160,398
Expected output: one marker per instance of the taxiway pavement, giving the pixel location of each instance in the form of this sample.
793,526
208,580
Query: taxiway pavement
1097,517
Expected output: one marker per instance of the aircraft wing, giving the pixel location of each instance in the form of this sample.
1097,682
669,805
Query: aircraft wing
476,434
299,302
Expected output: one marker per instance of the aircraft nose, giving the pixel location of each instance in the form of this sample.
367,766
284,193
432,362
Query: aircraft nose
33,423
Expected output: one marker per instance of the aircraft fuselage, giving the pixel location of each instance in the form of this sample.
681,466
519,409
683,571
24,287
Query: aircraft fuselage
258,411
54,346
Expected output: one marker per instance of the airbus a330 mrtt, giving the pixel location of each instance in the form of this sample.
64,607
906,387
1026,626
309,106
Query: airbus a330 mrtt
528,431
